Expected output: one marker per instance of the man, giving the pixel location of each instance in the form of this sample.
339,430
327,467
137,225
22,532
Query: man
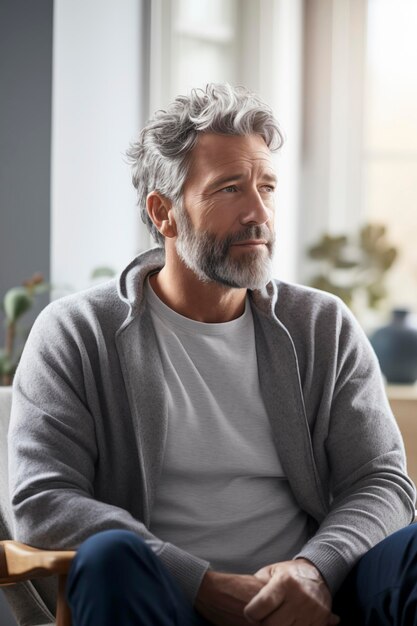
216,444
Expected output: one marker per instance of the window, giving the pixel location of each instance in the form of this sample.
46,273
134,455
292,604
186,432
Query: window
390,136
205,41
193,43
359,157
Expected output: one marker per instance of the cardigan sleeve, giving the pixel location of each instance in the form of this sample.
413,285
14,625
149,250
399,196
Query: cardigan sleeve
371,495
53,453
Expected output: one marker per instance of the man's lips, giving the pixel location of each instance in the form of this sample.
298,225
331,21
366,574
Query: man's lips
251,242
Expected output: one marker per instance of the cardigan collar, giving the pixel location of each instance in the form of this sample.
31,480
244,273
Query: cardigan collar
130,284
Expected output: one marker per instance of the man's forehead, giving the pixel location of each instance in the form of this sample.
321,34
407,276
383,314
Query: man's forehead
214,152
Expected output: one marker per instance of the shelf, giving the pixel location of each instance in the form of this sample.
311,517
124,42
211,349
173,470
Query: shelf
402,392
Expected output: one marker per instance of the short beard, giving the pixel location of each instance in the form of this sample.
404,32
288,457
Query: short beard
209,257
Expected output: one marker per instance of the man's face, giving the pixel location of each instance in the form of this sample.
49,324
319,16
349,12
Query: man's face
225,226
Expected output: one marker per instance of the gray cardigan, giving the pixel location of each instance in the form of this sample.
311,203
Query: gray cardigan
89,422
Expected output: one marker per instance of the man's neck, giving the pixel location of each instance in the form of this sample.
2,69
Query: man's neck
207,302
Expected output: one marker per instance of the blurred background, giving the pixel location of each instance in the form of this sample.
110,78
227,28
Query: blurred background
79,78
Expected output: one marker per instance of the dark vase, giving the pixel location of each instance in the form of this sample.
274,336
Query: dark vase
396,348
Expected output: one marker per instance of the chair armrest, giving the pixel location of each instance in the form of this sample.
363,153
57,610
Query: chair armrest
21,562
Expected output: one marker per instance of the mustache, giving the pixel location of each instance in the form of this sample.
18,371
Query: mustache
260,231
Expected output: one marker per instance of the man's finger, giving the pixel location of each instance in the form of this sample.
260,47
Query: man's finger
267,600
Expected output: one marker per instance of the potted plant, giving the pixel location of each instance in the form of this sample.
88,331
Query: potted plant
354,267
17,301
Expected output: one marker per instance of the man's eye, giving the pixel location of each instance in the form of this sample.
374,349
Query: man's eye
229,189
268,188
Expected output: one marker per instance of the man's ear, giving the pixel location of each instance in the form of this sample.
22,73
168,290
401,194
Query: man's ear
160,211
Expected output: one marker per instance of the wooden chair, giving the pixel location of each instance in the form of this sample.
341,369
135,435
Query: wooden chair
19,562
23,569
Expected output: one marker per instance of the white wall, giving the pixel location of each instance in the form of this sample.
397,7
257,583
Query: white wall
97,111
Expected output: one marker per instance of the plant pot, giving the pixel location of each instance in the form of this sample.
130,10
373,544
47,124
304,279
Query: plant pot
396,348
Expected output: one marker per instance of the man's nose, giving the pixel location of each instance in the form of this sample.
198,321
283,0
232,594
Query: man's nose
255,211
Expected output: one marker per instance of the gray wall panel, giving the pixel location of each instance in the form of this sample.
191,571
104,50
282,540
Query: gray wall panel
25,139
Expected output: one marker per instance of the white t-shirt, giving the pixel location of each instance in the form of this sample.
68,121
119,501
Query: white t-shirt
223,495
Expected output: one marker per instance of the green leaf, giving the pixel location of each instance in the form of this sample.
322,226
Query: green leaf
329,247
16,302
324,284
388,258
102,272
376,292
371,236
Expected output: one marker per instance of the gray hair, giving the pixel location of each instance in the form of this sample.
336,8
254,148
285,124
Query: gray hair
160,157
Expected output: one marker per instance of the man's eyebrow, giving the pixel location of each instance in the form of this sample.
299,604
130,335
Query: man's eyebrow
270,178
224,180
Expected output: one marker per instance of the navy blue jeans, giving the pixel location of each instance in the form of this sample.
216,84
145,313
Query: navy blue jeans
116,580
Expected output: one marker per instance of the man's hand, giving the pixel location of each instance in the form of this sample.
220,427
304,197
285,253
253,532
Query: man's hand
293,592
222,597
